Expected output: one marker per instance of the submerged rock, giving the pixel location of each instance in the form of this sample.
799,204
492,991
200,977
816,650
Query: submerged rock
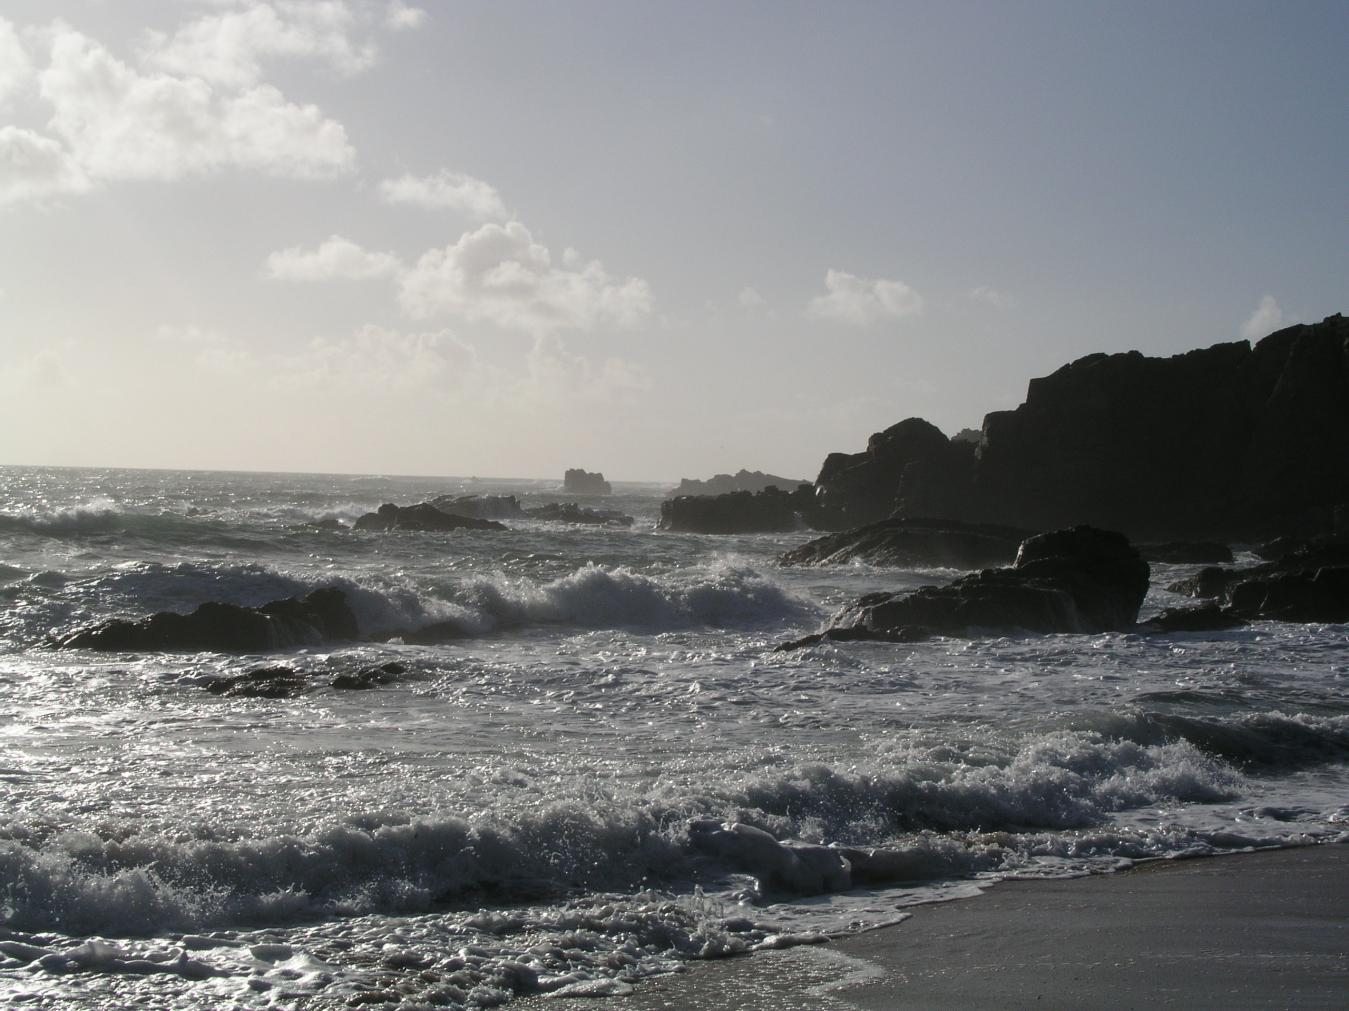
582,482
263,683
914,542
369,677
423,516
321,616
1203,618
740,512
570,512
1076,580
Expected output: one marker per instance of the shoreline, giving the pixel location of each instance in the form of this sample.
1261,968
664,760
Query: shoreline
1258,930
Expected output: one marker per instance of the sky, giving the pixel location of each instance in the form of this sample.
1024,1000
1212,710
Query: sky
659,240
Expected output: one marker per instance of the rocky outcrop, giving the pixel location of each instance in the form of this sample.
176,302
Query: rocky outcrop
914,542
1309,584
1080,580
581,482
480,507
281,682
741,480
740,512
1204,618
570,512
423,516
1233,442
321,616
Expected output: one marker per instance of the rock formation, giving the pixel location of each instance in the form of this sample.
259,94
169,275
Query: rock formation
1310,584
322,616
423,516
581,482
740,512
480,507
1076,580
570,512
914,542
1232,442
741,480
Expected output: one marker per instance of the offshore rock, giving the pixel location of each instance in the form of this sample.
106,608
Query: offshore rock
1080,580
1232,442
570,512
423,516
740,512
914,542
741,480
1309,584
321,616
581,482
480,507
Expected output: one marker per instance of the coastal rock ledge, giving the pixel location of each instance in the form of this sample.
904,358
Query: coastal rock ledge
1079,580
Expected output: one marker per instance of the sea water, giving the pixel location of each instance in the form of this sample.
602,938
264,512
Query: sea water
610,773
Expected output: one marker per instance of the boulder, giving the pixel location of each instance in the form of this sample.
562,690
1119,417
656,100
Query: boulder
1080,580
570,512
1309,584
914,542
581,482
740,512
741,480
1204,618
480,507
263,683
321,616
423,516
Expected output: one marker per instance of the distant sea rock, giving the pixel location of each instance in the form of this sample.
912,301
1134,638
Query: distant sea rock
1080,580
914,542
570,512
423,516
741,480
582,482
321,616
480,507
740,512
1232,442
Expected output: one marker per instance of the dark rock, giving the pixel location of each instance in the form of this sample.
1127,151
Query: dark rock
322,616
1207,582
263,683
424,517
480,507
739,512
570,512
857,633
1076,580
1235,442
1204,618
581,482
914,542
1187,553
741,480
369,677
1320,596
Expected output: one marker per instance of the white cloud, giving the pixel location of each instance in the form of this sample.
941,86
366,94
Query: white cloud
228,48
556,377
501,275
749,298
1266,318
862,301
36,168
400,17
121,124
337,258
453,191
991,296
15,68
376,359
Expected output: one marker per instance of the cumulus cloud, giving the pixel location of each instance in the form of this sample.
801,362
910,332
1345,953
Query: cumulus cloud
749,298
990,296
399,17
1266,318
36,168
229,47
452,191
501,275
15,68
337,258
119,123
862,301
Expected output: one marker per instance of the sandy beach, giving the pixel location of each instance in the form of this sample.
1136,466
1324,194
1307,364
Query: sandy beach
1258,930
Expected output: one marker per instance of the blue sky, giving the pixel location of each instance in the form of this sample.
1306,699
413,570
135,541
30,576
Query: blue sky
659,240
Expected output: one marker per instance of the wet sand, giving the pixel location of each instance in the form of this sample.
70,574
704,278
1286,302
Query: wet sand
1257,930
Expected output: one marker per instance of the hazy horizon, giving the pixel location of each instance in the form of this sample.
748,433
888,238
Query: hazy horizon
374,237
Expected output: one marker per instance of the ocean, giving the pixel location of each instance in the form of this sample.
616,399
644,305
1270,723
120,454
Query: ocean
610,773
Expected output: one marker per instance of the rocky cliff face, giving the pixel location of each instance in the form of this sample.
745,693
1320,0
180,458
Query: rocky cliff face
1231,441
